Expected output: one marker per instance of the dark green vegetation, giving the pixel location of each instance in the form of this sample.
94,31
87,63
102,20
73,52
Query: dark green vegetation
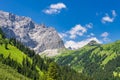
92,62
18,62
8,73
101,62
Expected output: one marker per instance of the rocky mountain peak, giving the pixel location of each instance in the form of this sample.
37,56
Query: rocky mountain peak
92,42
37,37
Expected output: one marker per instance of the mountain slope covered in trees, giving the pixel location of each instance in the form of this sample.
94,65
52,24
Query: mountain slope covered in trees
19,59
100,61
8,73
92,62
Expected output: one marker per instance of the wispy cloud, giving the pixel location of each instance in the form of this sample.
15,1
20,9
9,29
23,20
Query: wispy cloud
55,8
114,13
77,30
105,36
107,18
75,45
91,35
90,25
62,35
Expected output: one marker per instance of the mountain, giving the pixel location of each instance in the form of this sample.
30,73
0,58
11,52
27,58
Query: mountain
101,61
36,37
94,61
18,62
93,42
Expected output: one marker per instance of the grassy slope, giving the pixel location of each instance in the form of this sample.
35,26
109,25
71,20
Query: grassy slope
7,73
14,53
78,58
72,57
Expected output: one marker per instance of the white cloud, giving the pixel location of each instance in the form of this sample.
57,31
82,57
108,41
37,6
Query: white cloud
90,25
62,35
106,39
105,36
77,45
77,30
55,8
91,35
107,18
114,13
58,6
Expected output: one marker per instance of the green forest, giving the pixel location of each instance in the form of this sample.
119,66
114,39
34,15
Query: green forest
92,62
18,62
99,61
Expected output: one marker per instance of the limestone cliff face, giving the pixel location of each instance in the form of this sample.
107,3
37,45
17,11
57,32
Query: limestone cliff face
37,37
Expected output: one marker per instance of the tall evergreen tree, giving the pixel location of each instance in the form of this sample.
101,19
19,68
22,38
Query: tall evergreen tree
54,72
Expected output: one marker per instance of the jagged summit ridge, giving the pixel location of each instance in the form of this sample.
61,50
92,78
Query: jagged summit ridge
37,37
92,42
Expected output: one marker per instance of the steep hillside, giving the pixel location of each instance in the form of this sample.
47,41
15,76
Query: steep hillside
24,62
14,57
15,53
8,73
97,60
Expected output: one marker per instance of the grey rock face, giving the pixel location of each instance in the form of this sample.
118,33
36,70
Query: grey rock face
37,37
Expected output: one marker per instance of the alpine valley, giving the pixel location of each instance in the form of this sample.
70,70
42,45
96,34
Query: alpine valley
29,51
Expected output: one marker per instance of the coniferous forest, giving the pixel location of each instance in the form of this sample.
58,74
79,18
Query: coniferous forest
31,65
92,62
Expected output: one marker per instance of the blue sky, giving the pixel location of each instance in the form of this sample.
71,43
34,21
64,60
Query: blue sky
77,21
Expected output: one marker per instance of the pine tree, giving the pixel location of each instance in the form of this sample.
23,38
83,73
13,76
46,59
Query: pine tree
53,72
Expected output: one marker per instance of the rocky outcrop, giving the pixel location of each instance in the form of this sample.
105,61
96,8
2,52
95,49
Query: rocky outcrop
37,37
